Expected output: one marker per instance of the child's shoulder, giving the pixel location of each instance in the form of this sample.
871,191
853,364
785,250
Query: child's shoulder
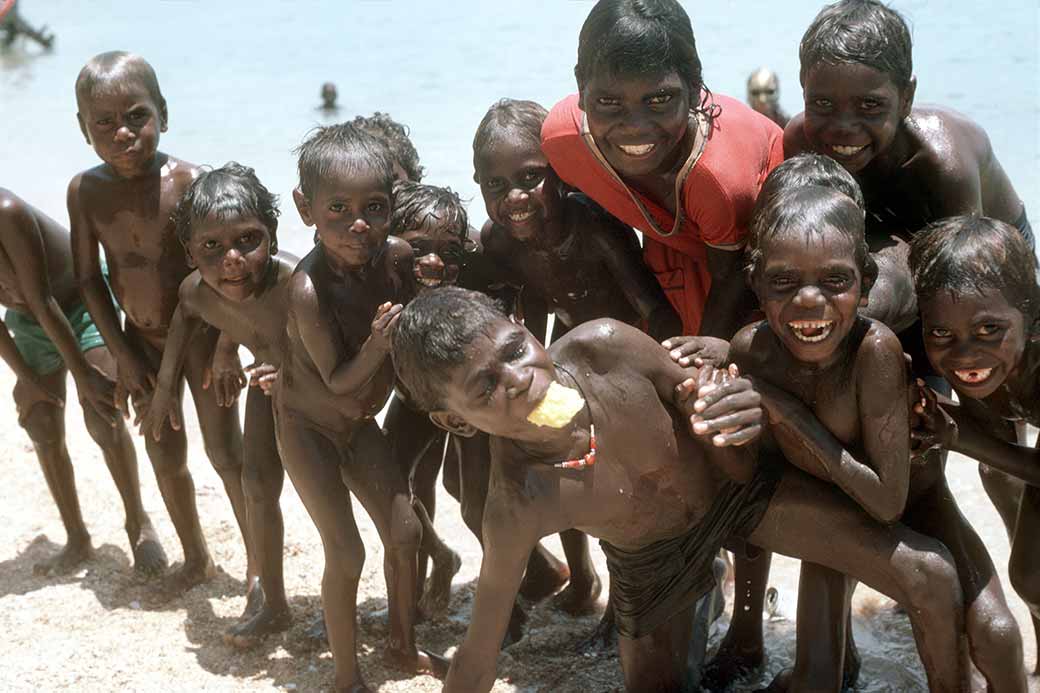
495,241
946,140
754,339
878,348
603,343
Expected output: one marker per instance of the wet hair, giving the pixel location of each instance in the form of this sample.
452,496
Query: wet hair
972,254
396,137
416,202
431,338
810,169
521,119
343,148
638,37
859,31
230,192
111,71
809,211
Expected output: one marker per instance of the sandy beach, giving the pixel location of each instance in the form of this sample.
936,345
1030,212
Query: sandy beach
100,629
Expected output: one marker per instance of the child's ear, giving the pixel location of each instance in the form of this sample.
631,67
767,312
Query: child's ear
452,423
187,256
864,292
907,97
83,128
303,206
164,116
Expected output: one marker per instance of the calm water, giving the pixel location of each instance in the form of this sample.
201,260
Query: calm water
242,77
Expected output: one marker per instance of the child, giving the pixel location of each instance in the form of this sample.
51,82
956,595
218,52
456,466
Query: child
834,384
336,348
661,501
763,95
977,288
395,135
228,221
125,204
49,334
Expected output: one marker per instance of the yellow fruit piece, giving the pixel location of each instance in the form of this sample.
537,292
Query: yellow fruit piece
557,408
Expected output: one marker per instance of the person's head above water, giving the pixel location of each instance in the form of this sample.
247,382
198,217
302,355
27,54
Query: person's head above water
395,135
228,223
810,169
763,90
639,57
857,80
976,285
434,222
328,95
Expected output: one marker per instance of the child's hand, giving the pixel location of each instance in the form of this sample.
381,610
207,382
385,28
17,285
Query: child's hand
930,425
697,351
383,324
153,415
136,380
98,392
727,406
30,392
264,376
226,376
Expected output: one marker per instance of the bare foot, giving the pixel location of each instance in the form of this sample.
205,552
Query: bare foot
578,600
250,633
603,637
184,578
417,662
66,560
545,575
437,592
149,558
254,599
316,634
730,663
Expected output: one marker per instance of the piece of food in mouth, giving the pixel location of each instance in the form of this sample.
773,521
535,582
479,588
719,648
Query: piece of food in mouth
557,408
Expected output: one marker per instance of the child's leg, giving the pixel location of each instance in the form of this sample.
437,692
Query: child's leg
916,571
1024,564
45,424
383,490
262,479
121,459
582,592
993,634
221,437
741,651
656,663
312,462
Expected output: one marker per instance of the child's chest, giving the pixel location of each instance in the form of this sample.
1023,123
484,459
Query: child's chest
258,325
573,285
832,397
351,303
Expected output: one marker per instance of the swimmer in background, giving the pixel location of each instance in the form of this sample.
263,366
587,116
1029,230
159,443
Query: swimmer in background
328,98
763,95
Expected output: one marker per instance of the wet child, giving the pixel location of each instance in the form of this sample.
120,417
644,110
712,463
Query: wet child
343,302
46,335
565,454
228,222
976,285
395,135
833,384
125,205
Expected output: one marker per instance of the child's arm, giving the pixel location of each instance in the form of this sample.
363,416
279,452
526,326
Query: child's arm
23,244
183,328
637,283
225,375
880,489
727,303
136,378
951,426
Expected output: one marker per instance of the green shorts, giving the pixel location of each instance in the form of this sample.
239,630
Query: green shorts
36,346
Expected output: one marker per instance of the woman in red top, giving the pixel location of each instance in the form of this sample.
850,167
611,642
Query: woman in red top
651,145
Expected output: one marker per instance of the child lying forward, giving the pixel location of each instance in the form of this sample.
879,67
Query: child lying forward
651,492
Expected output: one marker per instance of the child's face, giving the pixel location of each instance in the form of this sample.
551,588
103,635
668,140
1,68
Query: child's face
232,255
506,374
123,126
351,212
521,192
810,288
438,252
638,121
852,112
975,340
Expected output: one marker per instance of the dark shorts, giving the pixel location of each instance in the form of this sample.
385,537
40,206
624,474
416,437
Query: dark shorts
650,585
35,345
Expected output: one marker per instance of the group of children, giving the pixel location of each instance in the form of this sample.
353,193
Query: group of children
806,433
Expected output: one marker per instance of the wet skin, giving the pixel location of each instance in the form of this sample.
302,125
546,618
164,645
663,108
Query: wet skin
916,165
36,279
125,205
641,124
570,259
836,409
964,338
649,483
241,290
344,297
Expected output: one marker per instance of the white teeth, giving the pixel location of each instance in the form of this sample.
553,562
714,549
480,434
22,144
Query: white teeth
847,150
521,216
637,149
800,327
973,375
429,282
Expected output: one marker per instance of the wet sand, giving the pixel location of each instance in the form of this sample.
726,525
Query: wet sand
100,629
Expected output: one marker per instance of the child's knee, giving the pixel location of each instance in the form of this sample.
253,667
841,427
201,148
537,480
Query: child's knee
344,560
932,582
101,432
225,457
995,639
44,426
260,481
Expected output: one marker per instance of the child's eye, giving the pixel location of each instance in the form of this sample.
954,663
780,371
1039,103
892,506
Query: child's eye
493,184
247,238
659,99
533,177
210,245
489,389
871,105
137,115
521,348
837,281
781,283
337,208
375,207
821,104
103,122
940,333
988,330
